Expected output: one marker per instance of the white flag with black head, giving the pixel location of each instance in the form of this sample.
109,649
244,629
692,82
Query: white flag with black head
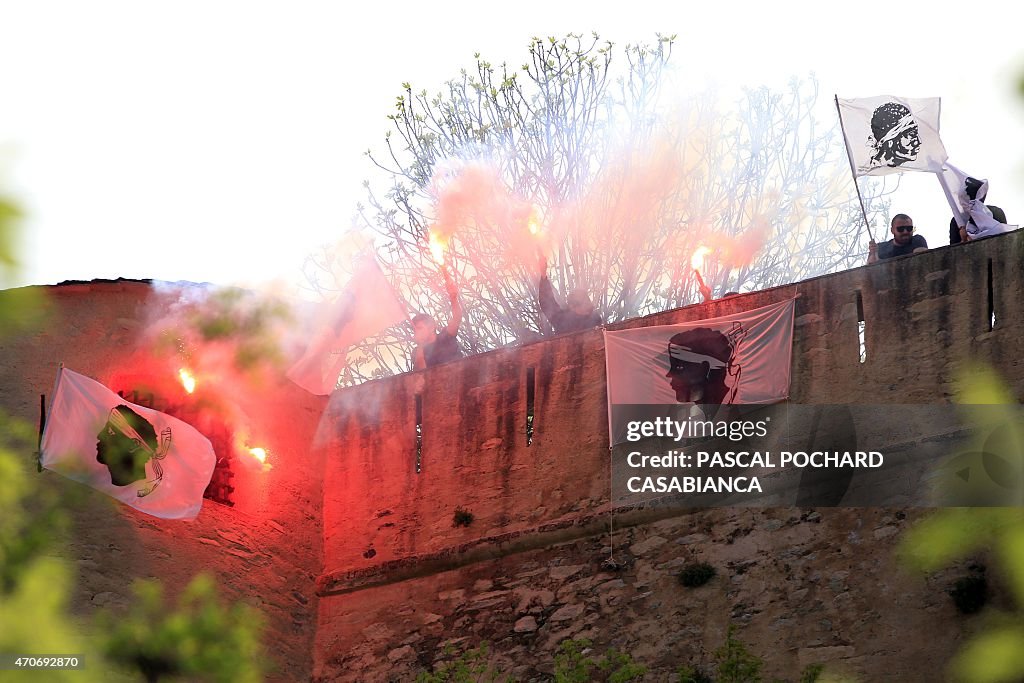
144,458
661,370
887,134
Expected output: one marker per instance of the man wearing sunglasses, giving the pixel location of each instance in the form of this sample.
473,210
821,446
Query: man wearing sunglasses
903,241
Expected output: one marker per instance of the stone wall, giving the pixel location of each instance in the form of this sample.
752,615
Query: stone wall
803,587
390,542
266,549
925,316
351,551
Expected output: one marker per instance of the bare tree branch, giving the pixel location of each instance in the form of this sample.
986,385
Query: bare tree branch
625,188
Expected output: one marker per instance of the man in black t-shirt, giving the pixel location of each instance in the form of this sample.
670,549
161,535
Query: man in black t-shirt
433,347
903,241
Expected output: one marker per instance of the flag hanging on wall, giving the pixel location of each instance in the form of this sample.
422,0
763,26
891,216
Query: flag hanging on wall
142,457
367,306
886,134
673,370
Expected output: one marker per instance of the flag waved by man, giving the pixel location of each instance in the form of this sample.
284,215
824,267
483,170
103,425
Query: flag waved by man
367,306
144,458
966,196
655,371
886,134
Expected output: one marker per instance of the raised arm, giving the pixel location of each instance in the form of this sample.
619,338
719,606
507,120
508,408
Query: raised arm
453,296
545,294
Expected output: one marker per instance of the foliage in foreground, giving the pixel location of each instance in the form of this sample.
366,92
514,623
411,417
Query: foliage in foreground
200,640
996,653
34,584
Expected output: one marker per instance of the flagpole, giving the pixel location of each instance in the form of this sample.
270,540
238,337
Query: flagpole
610,562
42,416
42,425
853,171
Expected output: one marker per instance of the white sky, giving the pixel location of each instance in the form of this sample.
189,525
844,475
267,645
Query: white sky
222,141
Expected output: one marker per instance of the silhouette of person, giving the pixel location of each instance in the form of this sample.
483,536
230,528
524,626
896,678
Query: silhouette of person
126,443
433,347
578,315
700,360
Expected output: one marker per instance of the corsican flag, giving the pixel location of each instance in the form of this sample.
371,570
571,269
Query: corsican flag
142,457
367,306
886,134
966,195
673,370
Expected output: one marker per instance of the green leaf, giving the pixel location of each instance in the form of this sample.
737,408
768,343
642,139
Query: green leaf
946,536
1011,553
980,385
995,656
